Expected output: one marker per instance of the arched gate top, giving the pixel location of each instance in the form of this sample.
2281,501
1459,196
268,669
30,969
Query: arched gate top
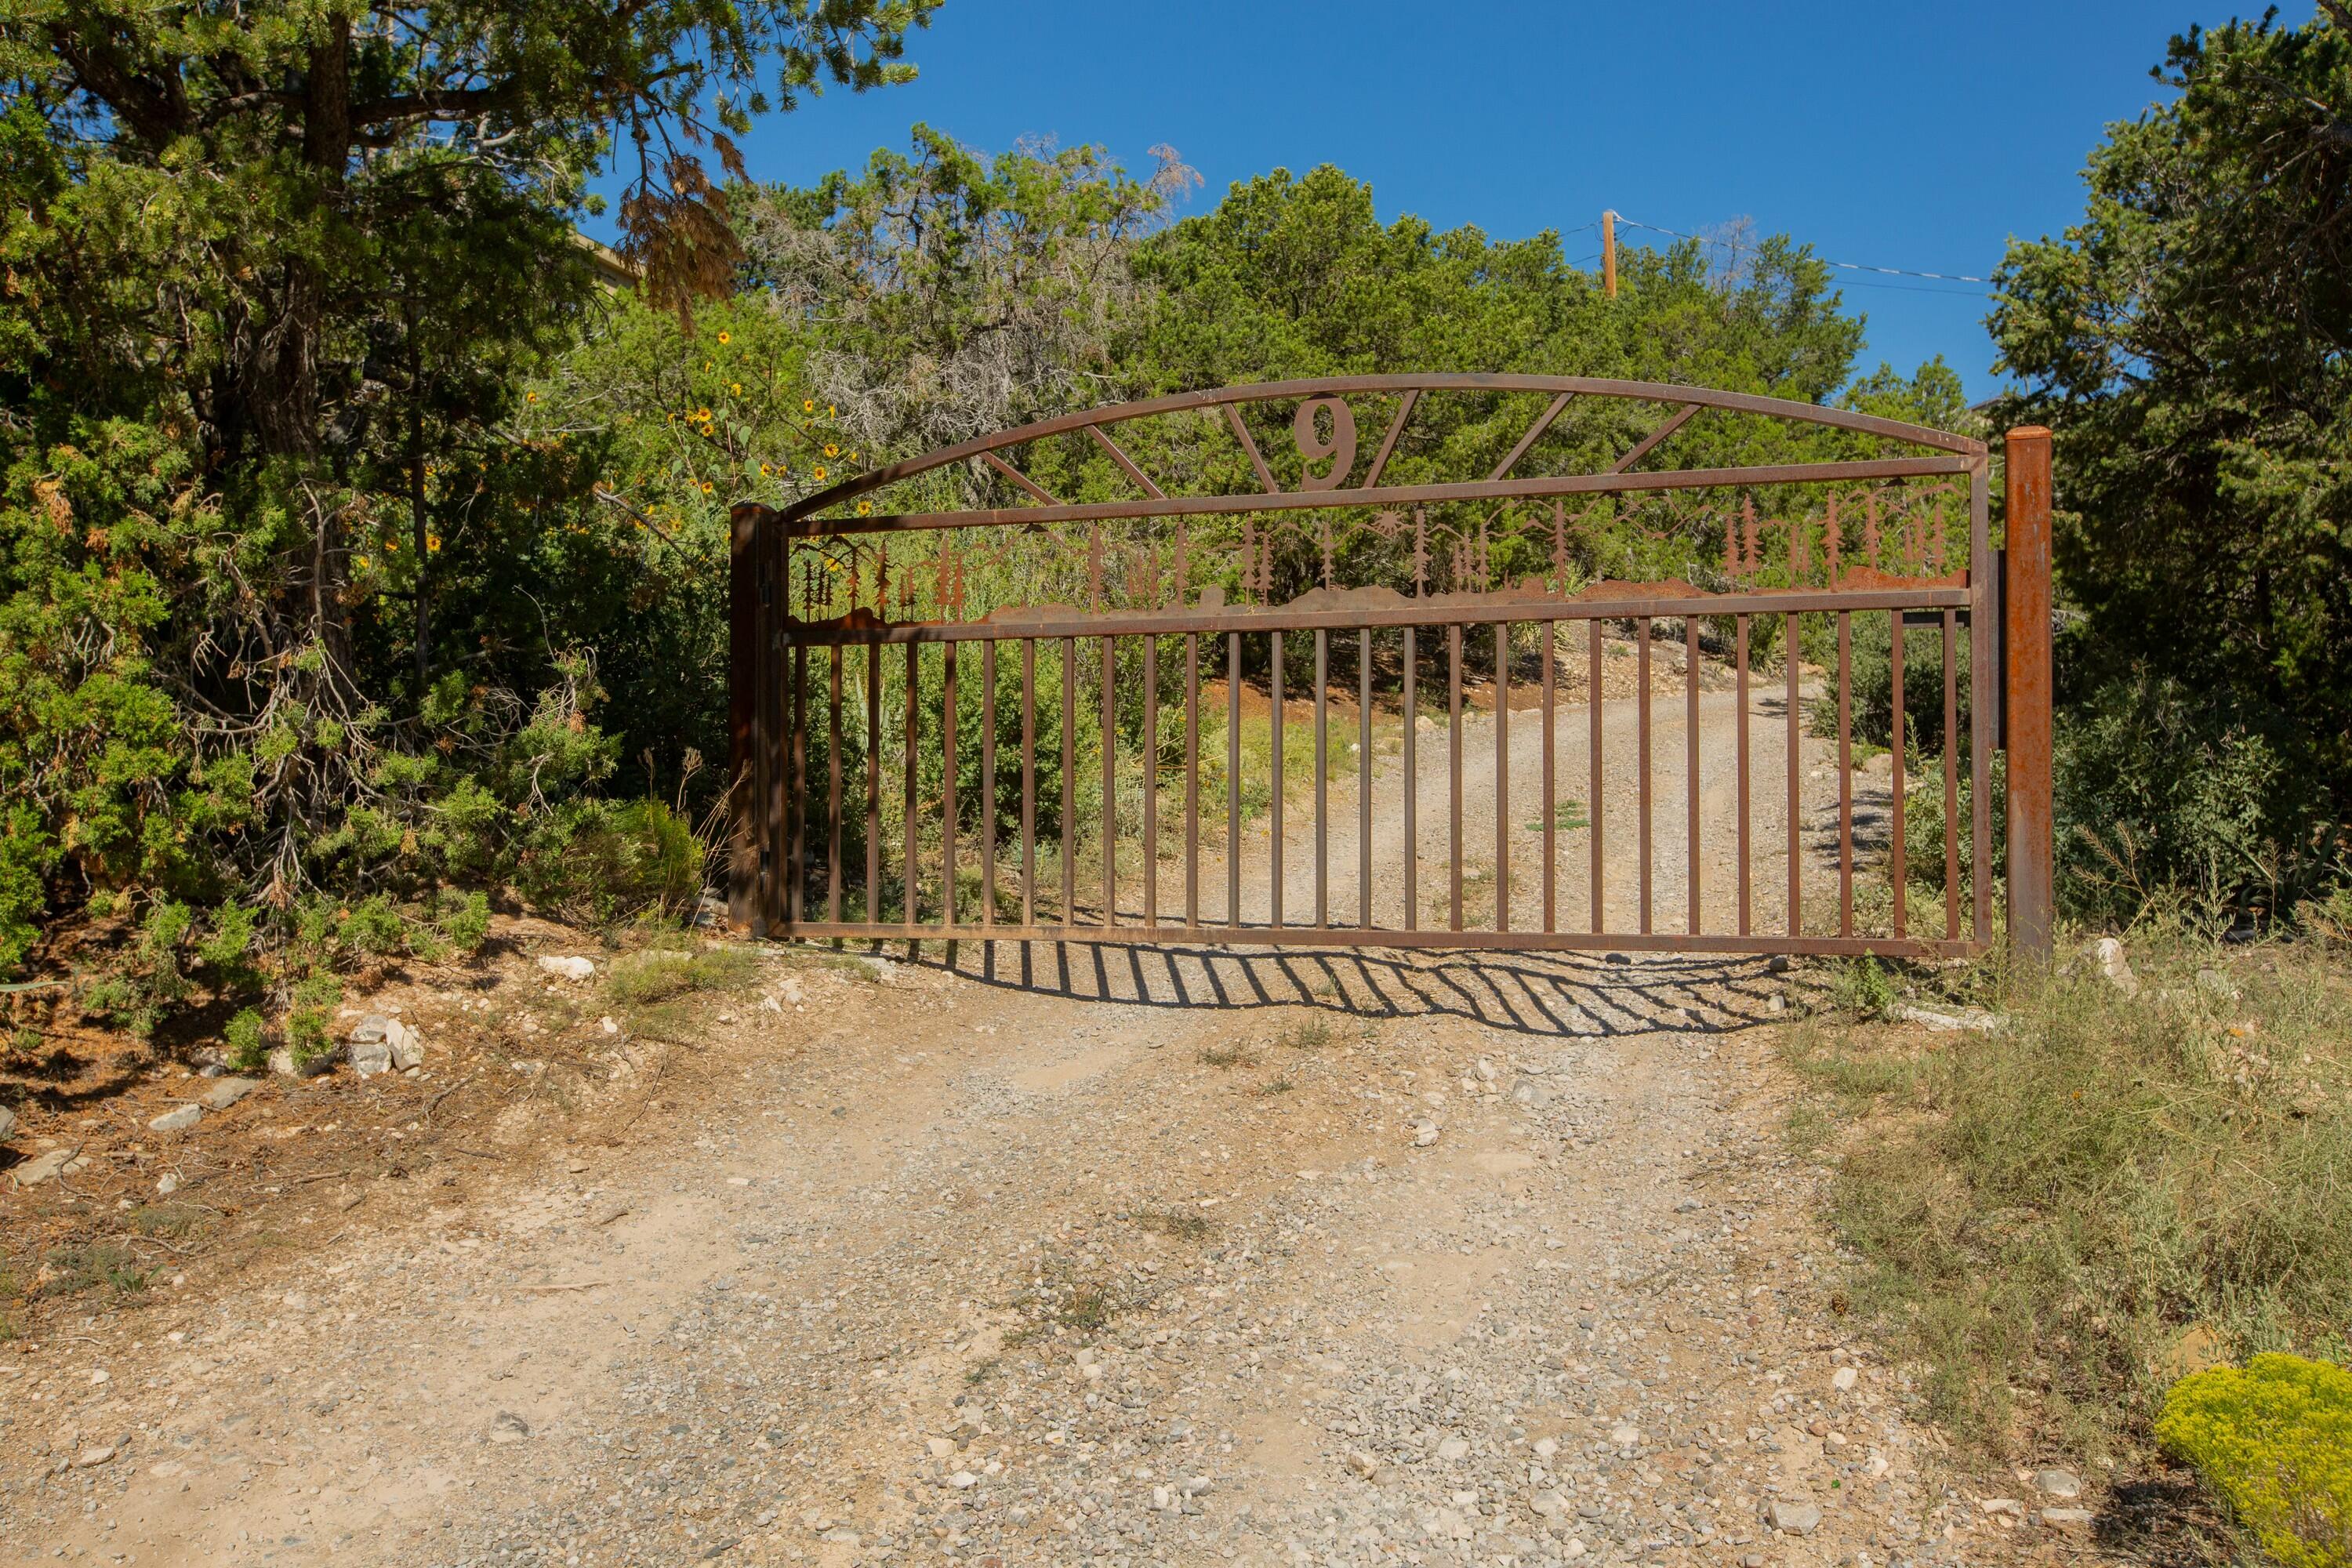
1943,452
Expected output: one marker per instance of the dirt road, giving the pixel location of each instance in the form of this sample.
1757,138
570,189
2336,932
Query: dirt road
1049,1257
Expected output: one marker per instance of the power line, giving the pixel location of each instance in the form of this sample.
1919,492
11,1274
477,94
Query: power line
1845,265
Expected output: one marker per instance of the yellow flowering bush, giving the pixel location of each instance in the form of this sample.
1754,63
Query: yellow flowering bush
2275,1439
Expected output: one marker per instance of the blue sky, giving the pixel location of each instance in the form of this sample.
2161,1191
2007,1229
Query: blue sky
1896,134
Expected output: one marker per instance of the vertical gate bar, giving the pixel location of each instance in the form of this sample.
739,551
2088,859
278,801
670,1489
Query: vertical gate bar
777,716
1789,658
1110,781
1982,730
745,743
1028,781
1412,784
1364,778
1845,771
1690,763
1740,726
1322,779
1454,766
1234,780
1951,776
796,890
1069,772
874,783
2025,704
1551,918
988,783
950,723
1274,841
1895,847
1593,715
833,784
1151,780
1502,775
1192,779
1642,729
914,687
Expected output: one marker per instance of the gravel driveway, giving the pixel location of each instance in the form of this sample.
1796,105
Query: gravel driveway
1067,1257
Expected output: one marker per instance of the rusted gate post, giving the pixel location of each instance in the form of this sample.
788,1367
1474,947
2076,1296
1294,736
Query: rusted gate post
2026,701
744,740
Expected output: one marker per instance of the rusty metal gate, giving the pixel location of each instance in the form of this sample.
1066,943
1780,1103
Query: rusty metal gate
1153,574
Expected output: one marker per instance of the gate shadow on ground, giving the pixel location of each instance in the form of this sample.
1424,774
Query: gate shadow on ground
1570,996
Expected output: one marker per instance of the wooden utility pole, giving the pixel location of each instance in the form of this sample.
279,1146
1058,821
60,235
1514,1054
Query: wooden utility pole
1609,254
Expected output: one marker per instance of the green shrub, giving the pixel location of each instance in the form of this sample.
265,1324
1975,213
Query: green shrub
464,920
2276,1440
2165,792
1863,986
248,1048
602,862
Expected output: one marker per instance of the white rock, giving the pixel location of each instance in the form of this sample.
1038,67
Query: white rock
2060,1483
49,1167
179,1119
1363,1464
226,1093
369,1058
1625,1436
940,1448
407,1046
1425,1137
963,1480
1197,1485
2107,953
1796,1518
7,1121
609,1026
1549,1504
564,967
2066,1517
168,1184
1547,1447
1947,1023
1453,1448
1842,1379
2008,1505
1575,1547
89,1458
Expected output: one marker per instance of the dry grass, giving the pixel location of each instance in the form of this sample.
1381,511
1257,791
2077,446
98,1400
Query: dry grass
2058,1219
657,974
